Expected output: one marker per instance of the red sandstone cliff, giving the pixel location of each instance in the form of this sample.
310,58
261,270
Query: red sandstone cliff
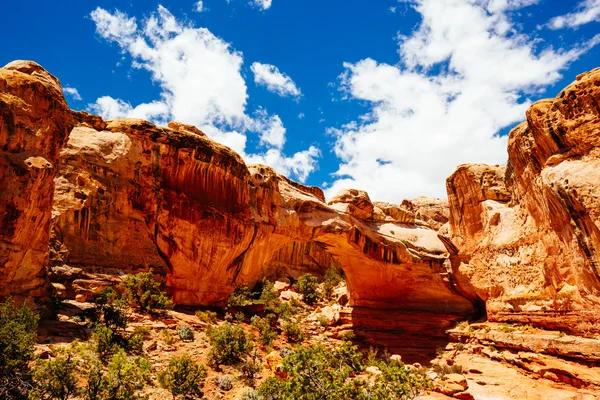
34,125
529,234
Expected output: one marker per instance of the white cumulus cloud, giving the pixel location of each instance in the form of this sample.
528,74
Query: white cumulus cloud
456,86
73,92
199,6
269,76
200,79
262,4
587,11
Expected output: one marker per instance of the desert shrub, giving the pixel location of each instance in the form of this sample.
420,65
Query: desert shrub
319,373
347,335
228,317
135,343
251,367
229,344
444,369
142,331
307,287
104,342
207,316
293,331
323,321
285,351
167,337
251,395
331,280
184,378
267,292
144,292
95,380
186,333
125,376
224,382
18,325
240,297
239,317
266,334
55,379
111,310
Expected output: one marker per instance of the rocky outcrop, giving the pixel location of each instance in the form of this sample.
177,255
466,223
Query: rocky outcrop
529,235
133,196
34,125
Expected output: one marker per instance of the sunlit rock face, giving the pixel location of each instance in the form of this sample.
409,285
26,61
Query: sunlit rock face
529,235
34,125
134,196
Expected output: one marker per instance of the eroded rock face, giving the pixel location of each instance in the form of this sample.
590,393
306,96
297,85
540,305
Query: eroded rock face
34,125
134,196
529,243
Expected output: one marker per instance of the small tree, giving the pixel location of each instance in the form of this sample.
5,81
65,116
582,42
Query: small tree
266,334
293,331
18,325
125,377
111,311
184,378
307,286
55,379
240,297
332,279
145,292
229,344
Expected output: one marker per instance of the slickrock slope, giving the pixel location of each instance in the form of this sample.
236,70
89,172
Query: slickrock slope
529,235
34,124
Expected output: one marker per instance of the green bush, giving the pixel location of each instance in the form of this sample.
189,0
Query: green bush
186,333
207,316
184,378
55,379
267,292
110,310
125,377
229,344
251,367
332,279
104,341
293,331
240,297
266,334
307,287
95,380
251,395
224,382
319,373
18,325
144,292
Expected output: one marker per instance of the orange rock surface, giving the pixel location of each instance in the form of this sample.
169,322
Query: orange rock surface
34,124
529,235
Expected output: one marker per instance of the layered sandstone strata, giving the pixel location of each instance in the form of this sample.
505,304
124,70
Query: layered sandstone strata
34,125
529,235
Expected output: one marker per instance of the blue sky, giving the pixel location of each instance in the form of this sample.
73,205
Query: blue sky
387,96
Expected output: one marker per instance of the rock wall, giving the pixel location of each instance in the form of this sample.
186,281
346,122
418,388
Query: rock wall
34,125
133,196
529,234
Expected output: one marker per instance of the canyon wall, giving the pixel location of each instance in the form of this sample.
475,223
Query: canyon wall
97,199
34,125
528,234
